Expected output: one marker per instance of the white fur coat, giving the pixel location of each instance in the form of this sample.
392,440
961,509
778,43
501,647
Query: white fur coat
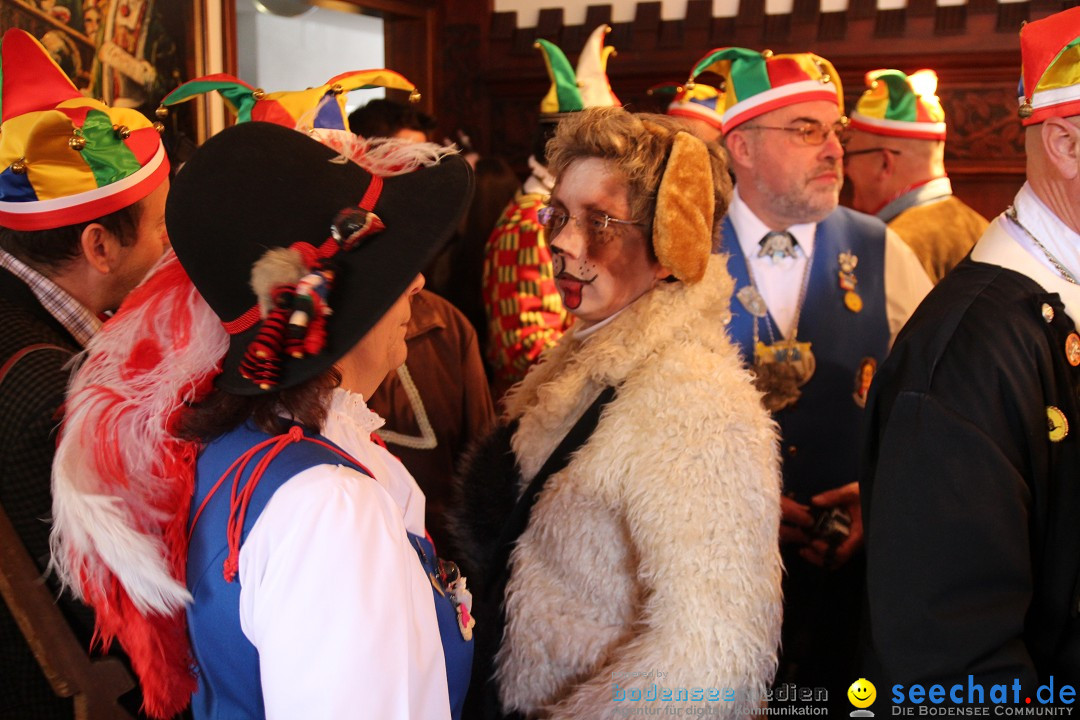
655,550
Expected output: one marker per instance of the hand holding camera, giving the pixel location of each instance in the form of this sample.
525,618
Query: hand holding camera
829,529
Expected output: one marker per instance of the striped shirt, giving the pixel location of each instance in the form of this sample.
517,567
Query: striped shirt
69,312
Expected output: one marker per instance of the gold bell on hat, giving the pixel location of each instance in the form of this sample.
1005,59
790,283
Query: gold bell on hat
258,94
162,112
824,79
1025,110
19,166
159,126
414,96
122,131
77,142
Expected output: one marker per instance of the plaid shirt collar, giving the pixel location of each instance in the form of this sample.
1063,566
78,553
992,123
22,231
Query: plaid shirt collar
69,312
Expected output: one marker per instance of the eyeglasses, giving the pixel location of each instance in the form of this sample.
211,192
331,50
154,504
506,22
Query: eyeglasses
865,151
553,219
811,133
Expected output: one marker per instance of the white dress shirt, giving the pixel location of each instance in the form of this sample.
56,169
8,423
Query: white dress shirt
780,283
334,596
1006,245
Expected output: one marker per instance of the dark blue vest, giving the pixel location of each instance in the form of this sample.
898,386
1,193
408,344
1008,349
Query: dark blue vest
821,430
228,664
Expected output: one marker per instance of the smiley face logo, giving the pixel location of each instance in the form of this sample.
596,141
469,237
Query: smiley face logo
862,693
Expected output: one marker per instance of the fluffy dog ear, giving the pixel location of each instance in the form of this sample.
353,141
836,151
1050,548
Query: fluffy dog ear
682,228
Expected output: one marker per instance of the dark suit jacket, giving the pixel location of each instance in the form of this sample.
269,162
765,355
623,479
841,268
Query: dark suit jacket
971,490
31,395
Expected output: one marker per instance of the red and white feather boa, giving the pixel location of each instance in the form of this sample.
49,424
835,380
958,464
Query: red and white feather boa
122,483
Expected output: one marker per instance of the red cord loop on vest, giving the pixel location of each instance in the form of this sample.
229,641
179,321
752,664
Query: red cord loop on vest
240,498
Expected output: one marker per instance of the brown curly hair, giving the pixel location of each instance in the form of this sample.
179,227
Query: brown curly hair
638,145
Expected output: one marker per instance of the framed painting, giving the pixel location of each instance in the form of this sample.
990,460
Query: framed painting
131,53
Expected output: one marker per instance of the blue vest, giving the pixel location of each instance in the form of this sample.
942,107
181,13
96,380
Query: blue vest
228,664
821,430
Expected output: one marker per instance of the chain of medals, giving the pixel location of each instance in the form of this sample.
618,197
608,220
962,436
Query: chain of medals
1011,214
780,368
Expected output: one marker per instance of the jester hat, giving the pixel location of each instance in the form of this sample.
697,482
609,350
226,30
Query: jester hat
755,83
700,102
588,86
1050,67
900,105
292,107
64,158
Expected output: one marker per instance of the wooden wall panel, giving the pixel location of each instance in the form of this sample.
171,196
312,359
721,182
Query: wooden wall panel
493,79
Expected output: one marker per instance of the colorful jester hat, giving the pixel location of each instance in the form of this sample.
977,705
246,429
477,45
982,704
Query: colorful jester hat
900,105
64,158
701,102
1050,67
755,83
587,87
318,107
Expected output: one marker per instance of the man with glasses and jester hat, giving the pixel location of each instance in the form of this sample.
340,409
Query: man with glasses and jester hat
820,291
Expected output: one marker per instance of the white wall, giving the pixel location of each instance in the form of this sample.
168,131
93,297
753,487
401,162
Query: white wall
293,53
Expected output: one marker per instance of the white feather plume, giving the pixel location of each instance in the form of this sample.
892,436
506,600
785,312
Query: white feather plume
383,156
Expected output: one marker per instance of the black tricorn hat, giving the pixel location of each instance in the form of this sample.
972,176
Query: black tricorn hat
257,187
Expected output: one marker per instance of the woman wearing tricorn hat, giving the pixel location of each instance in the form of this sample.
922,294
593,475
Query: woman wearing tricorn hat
217,470
636,469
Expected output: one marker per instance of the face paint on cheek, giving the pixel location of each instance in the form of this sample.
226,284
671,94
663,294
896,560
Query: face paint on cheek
558,263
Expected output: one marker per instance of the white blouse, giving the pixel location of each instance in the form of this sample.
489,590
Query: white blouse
334,596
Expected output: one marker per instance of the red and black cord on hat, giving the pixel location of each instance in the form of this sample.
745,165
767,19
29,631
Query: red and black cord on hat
294,285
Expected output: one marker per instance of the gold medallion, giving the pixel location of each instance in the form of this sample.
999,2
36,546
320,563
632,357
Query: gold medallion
853,302
1072,349
1056,424
780,370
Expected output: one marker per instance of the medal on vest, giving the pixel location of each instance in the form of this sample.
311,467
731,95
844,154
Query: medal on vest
753,302
863,377
848,281
780,367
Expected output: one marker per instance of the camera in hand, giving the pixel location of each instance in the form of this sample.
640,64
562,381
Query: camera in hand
831,524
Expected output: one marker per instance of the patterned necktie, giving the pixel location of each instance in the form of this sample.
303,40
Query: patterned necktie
777,244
